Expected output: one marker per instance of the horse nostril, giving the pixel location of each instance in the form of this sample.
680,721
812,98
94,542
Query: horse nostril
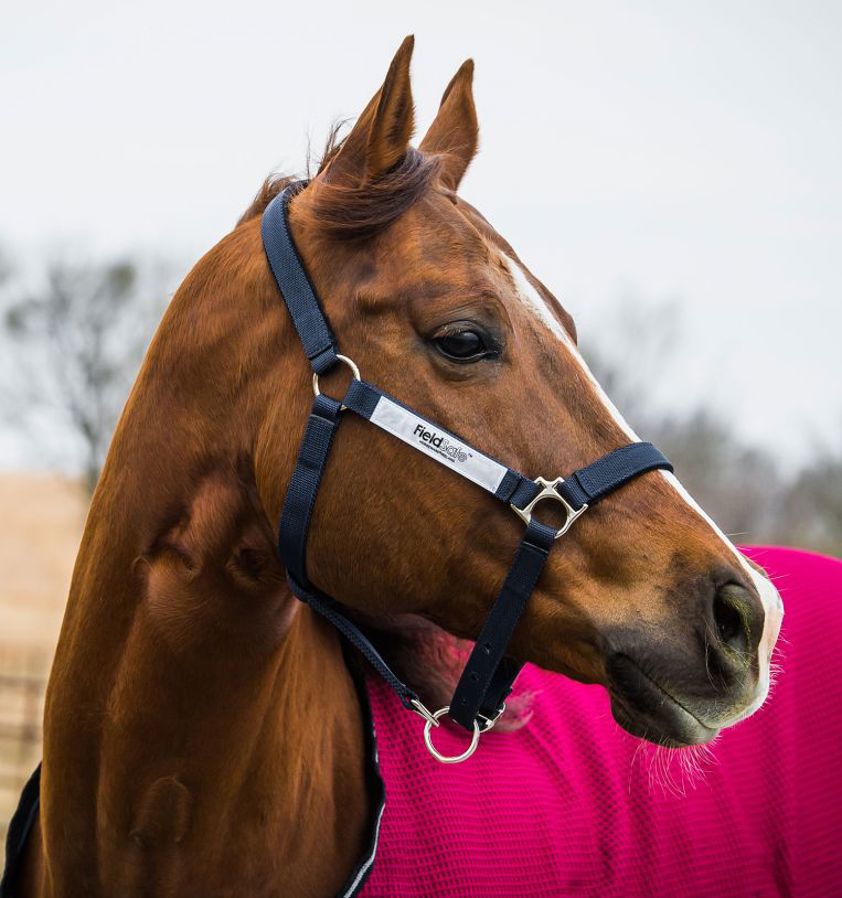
738,618
729,624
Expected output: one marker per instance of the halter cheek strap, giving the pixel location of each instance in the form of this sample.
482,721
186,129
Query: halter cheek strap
488,676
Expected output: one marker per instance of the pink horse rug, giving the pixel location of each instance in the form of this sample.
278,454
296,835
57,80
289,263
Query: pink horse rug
571,805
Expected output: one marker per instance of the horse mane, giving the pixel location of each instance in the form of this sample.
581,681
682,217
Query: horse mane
356,211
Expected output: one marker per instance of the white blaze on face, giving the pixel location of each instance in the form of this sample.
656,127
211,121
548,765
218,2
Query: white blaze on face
769,596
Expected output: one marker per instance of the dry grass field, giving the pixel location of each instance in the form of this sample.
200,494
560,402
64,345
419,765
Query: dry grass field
41,520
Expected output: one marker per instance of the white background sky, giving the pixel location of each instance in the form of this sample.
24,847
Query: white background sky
664,149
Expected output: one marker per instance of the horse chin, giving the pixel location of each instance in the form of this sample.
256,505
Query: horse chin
660,732
645,709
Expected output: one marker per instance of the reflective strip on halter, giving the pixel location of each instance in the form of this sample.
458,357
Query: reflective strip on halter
438,444
448,449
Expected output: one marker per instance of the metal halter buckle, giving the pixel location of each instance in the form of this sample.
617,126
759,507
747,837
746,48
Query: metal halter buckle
549,492
355,372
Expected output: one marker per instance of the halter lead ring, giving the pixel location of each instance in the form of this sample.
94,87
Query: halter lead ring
450,759
432,719
486,681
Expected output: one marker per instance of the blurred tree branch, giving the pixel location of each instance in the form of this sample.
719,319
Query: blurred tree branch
810,510
77,342
741,486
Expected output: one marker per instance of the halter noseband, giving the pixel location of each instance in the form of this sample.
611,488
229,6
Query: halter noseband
480,695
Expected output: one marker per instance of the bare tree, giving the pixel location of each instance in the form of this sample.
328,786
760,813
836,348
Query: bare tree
77,342
738,484
809,511
6,267
637,343
742,486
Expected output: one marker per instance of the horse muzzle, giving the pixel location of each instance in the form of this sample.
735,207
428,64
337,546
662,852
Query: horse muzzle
678,692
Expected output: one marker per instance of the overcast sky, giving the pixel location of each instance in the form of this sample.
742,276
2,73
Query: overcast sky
661,150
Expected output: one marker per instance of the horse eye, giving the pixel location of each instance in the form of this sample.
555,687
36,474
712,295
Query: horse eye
463,346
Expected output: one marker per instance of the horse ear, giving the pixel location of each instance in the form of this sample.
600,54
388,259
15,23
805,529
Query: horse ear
379,139
454,133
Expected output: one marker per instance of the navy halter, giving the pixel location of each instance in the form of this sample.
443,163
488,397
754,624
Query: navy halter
488,676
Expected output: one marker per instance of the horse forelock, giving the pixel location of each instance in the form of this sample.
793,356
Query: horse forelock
350,212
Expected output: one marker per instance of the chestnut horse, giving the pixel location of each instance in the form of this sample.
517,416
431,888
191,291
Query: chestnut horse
203,732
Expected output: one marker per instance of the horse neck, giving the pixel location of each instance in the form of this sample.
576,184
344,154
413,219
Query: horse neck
201,729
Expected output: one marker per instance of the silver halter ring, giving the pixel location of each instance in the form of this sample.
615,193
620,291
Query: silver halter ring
352,365
452,759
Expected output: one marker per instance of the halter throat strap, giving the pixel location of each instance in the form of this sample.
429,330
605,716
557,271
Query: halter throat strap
488,676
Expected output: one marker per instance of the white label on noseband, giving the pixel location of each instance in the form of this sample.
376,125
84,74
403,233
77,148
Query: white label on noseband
440,445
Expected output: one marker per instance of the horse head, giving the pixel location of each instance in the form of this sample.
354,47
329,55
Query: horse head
645,596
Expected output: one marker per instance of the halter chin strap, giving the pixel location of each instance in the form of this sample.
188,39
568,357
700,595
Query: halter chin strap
488,676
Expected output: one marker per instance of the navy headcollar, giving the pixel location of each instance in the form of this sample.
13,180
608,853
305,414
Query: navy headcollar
487,679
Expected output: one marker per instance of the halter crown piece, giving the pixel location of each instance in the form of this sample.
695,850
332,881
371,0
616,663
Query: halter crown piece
480,695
